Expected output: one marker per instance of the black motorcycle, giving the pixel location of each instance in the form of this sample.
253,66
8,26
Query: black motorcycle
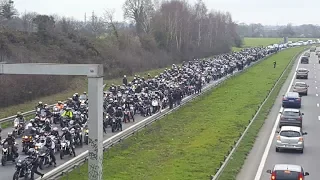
78,136
64,122
67,148
86,136
7,154
56,115
23,169
27,143
116,124
44,157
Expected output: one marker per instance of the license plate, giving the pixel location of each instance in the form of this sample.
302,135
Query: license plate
289,146
291,100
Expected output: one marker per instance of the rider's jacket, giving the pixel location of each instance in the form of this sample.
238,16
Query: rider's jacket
67,114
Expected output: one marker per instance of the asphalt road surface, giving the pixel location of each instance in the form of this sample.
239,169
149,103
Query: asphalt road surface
263,155
6,172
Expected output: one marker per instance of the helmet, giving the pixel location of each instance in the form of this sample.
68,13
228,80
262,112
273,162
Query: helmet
48,140
55,129
19,114
31,120
64,129
59,102
9,134
47,121
119,108
32,151
76,94
40,102
84,92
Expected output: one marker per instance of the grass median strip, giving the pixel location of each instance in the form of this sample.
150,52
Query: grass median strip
238,158
191,142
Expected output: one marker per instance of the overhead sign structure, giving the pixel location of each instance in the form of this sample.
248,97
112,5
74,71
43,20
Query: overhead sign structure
94,72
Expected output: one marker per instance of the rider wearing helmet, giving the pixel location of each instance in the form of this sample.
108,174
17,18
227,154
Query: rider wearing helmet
20,118
67,135
60,105
40,105
11,142
51,146
33,157
47,126
67,113
119,112
55,132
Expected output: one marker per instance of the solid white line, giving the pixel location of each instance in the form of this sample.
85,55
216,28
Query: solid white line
317,104
319,118
273,131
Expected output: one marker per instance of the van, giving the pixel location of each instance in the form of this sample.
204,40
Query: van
313,49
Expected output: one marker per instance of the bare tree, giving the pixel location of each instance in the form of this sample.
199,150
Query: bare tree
27,20
108,18
140,12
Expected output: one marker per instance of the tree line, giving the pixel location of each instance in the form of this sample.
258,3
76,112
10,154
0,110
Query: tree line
158,35
259,30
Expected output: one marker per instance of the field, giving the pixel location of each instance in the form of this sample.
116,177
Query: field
191,143
254,42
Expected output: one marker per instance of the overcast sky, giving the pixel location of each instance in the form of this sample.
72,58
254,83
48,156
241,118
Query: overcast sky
271,12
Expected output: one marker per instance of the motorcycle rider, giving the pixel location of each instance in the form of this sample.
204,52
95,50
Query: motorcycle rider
119,114
11,142
51,146
33,157
59,105
20,118
40,105
67,135
47,126
125,80
55,132
68,113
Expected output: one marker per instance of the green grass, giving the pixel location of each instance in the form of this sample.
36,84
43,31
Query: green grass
191,142
238,158
254,42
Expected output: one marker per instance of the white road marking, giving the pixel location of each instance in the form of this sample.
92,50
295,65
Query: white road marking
316,87
273,131
317,95
319,118
317,104
315,81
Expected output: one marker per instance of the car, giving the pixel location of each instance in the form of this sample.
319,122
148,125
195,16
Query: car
304,60
317,52
302,73
301,88
291,99
313,49
287,172
290,138
290,117
307,54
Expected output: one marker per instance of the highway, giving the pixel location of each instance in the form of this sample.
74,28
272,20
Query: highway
263,155
7,171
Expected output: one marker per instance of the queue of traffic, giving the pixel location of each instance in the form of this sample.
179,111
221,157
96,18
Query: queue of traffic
291,130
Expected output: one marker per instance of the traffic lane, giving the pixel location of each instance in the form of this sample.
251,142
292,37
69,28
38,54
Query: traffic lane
7,171
251,164
310,124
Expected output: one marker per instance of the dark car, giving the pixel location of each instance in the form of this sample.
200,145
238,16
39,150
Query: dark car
304,60
291,117
287,172
291,100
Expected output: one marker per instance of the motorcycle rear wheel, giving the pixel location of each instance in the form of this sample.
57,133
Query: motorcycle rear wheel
15,176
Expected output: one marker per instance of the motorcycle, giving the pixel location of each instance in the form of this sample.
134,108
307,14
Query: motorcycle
23,169
116,124
44,157
7,154
66,149
78,136
64,122
56,142
127,116
56,115
27,143
18,128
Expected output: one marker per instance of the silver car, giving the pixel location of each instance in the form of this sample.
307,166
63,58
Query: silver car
301,88
302,73
290,138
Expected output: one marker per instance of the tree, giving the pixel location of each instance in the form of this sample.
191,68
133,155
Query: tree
287,31
27,20
140,12
7,9
45,25
108,18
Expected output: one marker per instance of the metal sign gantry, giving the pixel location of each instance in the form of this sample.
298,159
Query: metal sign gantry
94,72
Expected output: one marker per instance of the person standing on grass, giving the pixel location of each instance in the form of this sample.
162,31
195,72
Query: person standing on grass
274,64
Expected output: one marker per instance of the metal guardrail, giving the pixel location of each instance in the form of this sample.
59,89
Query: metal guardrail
11,118
223,164
83,157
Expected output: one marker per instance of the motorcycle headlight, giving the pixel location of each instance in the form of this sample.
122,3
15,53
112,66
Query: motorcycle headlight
87,131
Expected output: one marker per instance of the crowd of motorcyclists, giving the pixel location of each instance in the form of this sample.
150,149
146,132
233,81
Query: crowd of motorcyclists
146,96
